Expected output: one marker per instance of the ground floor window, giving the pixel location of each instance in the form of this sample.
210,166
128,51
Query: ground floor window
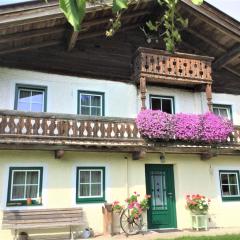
90,184
229,182
24,186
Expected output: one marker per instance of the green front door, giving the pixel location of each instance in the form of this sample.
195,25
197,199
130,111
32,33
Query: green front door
160,185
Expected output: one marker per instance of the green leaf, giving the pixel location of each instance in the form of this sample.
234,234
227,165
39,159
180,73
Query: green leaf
197,2
119,5
74,11
151,26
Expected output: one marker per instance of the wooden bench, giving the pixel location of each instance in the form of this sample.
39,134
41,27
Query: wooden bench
42,218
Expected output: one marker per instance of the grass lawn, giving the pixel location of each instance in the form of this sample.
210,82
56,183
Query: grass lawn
225,237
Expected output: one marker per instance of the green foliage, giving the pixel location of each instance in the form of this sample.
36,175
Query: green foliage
197,2
118,5
74,11
168,26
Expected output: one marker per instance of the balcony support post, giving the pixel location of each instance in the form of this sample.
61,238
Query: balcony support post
209,96
143,91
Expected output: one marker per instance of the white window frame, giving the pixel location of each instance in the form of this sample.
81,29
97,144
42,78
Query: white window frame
25,184
90,106
31,102
225,107
162,98
90,183
228,173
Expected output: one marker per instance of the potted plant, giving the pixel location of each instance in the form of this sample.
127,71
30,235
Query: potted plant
198,204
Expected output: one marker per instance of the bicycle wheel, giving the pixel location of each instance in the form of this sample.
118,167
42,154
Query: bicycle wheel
129,225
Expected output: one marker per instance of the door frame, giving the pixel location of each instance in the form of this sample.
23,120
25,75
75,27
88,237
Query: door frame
174,193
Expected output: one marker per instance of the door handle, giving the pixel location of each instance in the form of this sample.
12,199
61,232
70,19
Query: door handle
170,194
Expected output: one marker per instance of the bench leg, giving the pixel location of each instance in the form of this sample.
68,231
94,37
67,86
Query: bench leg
15,234
71,234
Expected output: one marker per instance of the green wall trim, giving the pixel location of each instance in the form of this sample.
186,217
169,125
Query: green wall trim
91,92
23,202
30,87
93,199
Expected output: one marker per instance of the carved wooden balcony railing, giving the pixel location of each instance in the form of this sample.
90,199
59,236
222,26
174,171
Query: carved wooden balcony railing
64,129
155,66
56,131
179,68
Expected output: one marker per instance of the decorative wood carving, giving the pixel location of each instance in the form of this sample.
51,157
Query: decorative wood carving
178,68
209,96
143,91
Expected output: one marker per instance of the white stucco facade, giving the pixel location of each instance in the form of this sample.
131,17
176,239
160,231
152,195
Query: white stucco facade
121,99
123,175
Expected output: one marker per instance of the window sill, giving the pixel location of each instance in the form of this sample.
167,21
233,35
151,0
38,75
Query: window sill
231,199
19,204
83,201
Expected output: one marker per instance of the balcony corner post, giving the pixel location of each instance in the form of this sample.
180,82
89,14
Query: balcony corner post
209,96
143,91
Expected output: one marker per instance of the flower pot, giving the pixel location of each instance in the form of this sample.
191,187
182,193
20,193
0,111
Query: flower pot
199,212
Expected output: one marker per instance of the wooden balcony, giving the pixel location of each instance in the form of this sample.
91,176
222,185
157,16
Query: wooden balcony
67,130
46,131
178,69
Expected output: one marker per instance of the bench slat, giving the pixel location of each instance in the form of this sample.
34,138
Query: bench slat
42,218
45,216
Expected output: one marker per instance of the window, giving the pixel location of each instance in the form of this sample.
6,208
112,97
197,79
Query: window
163,103
90,184
30,98
229,182
223,110
24,184
91,103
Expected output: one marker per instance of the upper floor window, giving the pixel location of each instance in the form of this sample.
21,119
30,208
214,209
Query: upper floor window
223,110
229,183
24,183
163,103
90,184
30,98
90,103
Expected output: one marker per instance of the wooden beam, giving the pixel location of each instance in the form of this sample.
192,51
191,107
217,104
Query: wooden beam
208,155
30,47
138,155
227,57
72,40
206,39
59,153
232,71
212,17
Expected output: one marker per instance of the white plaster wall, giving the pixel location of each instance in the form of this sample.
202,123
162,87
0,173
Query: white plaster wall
123,177
186,101
228,99
120,98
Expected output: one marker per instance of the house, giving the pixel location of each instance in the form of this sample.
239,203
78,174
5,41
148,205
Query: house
68,102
